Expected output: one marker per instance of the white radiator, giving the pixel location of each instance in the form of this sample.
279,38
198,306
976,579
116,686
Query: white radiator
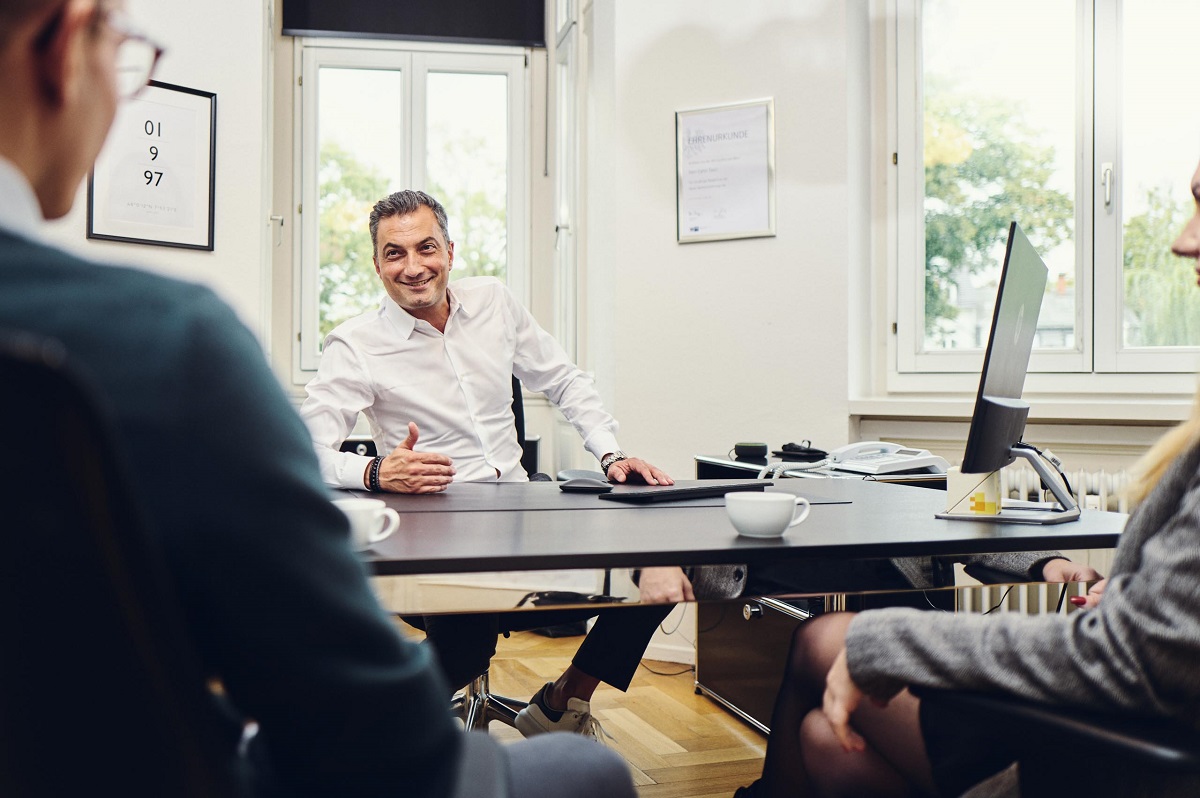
1037,598
1093,490
1097,490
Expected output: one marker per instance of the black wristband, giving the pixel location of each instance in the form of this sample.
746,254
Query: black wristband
373,476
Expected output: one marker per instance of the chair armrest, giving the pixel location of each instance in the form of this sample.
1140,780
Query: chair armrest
1164,743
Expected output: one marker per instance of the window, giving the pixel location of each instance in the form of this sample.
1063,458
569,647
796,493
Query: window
376,119
1071,117
566,195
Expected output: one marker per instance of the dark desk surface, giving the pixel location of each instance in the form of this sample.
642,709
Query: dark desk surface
499,527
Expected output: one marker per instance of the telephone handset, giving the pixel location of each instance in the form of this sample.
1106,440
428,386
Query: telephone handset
881,457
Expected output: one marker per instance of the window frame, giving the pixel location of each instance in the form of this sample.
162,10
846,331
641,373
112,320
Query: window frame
414,61
566,183
1099,364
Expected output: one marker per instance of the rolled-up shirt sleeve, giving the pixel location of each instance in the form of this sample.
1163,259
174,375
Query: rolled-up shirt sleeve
339,392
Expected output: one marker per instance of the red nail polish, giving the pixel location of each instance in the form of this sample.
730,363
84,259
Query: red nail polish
1078,601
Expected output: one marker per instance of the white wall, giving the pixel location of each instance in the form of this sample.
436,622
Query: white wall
218,46
703,345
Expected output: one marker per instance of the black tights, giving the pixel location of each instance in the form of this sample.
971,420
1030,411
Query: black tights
805,759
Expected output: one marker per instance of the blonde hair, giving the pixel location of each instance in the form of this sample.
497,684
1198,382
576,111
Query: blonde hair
1150,469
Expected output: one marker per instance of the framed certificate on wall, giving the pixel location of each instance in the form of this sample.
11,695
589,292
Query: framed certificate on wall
725,171
153,181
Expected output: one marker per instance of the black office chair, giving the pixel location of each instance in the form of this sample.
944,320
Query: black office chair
529,449
1124,755
99,691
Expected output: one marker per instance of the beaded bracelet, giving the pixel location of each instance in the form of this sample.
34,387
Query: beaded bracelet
373,477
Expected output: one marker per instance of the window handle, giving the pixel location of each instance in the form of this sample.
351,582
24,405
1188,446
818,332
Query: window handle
1106,178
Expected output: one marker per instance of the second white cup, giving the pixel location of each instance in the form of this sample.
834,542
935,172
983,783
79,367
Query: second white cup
370,520
765,515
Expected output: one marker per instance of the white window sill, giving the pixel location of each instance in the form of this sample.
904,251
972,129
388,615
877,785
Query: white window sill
1062,409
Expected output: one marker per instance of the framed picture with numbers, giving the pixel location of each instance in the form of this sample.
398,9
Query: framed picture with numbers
153,181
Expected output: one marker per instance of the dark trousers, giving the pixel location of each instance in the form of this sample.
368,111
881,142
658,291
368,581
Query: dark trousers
464,644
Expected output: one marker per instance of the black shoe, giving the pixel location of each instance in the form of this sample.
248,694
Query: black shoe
749,791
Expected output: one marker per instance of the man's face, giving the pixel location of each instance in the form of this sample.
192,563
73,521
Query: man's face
1188,243
413,260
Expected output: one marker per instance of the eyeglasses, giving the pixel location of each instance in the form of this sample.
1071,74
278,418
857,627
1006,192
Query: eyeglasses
137,54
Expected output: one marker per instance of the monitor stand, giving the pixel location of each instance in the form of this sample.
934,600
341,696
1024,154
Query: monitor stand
1033,515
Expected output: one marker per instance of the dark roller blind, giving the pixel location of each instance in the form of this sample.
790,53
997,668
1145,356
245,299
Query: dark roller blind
520,22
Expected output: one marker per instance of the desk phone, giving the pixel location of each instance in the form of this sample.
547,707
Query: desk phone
882,457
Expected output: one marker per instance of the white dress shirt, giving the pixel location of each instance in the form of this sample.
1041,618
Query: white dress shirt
456,386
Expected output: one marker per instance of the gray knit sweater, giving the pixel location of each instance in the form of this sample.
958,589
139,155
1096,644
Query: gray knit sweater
1139,649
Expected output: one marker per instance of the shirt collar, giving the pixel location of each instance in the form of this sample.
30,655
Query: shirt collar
405,323
20,212
461,301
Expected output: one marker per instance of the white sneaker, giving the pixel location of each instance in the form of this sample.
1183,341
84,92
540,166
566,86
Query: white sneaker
539,718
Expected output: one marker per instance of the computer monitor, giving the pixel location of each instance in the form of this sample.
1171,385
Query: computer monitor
998,422
999,418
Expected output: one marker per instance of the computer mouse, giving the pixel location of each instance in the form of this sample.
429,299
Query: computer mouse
586,485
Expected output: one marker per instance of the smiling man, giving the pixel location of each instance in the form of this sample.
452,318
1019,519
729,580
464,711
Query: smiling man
435,362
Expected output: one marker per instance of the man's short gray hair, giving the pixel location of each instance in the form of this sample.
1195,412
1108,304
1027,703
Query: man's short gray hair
403,203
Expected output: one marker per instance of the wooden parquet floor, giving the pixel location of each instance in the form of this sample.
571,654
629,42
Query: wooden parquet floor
678,744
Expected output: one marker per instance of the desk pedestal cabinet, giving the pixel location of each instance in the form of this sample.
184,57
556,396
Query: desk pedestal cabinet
742,644
744,653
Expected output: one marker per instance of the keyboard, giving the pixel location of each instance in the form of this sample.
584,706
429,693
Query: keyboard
671,493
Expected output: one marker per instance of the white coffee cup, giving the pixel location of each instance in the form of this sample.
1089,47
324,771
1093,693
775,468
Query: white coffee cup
765,515
370,520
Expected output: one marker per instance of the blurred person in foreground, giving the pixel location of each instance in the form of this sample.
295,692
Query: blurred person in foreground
277,604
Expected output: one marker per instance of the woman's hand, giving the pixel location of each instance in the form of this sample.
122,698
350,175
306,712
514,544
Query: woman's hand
842,697
1060,569
1094,594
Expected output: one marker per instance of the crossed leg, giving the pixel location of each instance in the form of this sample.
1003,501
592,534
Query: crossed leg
803,757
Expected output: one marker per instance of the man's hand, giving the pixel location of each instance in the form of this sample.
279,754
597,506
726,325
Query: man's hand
1063,570
842,697
637,468
406,471
664,586
1094,594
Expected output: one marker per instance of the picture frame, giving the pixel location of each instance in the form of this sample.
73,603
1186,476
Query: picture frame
153,183
725,171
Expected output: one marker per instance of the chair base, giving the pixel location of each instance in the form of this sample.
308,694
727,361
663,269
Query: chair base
477,706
